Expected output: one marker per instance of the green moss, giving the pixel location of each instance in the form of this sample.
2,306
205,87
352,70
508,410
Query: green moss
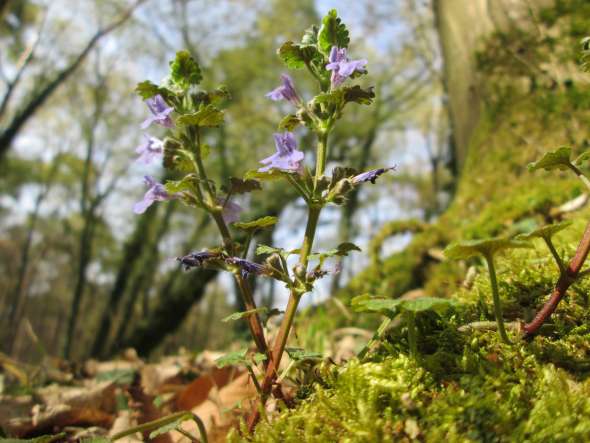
469,386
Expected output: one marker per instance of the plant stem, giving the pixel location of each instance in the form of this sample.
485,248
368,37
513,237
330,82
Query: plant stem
581,176
160,422
565,280
278,349
496,297
412,334
322,154
254,322
556,256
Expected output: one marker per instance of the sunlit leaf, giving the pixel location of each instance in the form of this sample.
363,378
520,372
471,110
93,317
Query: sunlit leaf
289,122
298,354
547,231
558,159
233,359
332,33
207,116
258,358
273,174
260,223
392,307
238,315
485,247
184,70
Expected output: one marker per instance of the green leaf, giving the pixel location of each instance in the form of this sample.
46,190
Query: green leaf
332,33
238,315
421,304
43,439
184,70
582,158
233,359
176,158
558,159
92,440
207,116
356,94
119,376
185,184
258,358
289,122
485,247
344,248
291,55
167,428
219,95
547,231
255,225
296,56
368,303
264,249
298,354
273,174
147,89
240,186
310,36
391,307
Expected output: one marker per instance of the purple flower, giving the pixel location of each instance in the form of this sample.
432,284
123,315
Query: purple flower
287,157
370,176
156,192
247,266
341,67
161,112
285,91
231,211
150,150
196,259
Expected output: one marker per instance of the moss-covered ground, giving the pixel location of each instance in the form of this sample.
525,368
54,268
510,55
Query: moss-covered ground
468,386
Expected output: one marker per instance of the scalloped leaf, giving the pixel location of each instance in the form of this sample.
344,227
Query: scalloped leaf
184,70
147,89
254,174
557,159
207,116
299,354
392,307
546,231
291,55
241,186
255,225
289,122
332,33
356,94
235,358
489,246
239,315
176,158
185,184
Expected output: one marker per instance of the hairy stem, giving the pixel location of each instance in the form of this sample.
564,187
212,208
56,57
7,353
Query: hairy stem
496,297
254,322
565,280
278,349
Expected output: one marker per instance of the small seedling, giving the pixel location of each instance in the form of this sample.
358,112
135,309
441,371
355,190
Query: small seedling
487,248
406,308
546,232
561,159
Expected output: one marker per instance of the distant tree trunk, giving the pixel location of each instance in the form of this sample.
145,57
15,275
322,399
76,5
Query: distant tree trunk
173,306
142,277
133,251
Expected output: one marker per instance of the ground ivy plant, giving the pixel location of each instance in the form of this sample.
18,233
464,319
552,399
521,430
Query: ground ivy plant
189,113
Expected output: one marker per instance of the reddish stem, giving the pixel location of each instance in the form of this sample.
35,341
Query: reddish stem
565,280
